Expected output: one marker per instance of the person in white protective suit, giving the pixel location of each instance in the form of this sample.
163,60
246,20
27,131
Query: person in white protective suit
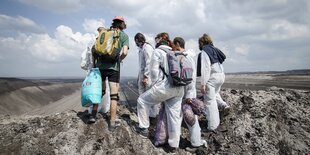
190,92
104,107
144,78
212,78
161,91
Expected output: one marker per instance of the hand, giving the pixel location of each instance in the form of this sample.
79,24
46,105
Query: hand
188,101
203,89
144,81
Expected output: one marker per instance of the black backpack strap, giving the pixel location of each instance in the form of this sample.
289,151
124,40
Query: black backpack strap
180,53
199,65
163,70
165,50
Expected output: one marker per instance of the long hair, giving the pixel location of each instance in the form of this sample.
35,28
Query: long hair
164,40
205,40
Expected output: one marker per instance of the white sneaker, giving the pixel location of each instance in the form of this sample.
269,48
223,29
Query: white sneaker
193,149
204,143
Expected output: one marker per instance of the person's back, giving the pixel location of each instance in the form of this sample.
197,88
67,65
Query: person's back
212,59
159,60
111,69
161,91
189,94
212,78
105,63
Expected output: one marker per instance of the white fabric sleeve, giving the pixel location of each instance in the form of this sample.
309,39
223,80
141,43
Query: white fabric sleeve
147,57
155,63
190,90
205,68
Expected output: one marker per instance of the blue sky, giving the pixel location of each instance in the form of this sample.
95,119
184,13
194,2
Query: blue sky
36,37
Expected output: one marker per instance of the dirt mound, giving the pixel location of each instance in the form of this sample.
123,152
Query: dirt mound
275,121
68,133
26,96
11,84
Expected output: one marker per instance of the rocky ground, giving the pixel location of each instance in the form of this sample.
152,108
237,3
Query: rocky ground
271,121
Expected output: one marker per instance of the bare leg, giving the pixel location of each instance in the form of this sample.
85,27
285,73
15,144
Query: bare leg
114,99
95,107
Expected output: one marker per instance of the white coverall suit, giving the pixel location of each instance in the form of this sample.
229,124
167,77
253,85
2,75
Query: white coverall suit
190,92
212,75
162,91
145,54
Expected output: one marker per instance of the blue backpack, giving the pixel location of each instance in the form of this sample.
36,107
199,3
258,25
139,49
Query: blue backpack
180,68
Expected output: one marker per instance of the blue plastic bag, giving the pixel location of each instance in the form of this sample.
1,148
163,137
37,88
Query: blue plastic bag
92,88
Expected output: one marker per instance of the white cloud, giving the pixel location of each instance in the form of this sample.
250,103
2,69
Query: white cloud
66,44
284,30
47,49
192,44
251,33
41,54
58,6
18,24
242,50
91,25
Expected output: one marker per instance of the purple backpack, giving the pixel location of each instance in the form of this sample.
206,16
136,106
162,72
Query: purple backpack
180,68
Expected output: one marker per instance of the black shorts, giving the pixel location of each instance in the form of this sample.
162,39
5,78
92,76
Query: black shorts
113,76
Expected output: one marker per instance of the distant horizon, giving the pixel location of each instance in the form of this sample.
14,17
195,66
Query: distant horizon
82,77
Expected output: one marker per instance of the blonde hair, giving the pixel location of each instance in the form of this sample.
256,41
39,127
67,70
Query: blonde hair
99,29
205,40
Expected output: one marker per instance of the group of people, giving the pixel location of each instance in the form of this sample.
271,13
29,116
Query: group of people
156,90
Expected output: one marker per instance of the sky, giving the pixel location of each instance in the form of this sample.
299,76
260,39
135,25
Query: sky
46,38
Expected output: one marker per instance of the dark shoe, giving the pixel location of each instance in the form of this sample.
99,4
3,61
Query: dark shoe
153,121
143,132
114,125
171,150
226,110
91,119
191,149
104,115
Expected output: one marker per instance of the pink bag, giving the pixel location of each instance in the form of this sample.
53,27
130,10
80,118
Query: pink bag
197,106
161,132
188,114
